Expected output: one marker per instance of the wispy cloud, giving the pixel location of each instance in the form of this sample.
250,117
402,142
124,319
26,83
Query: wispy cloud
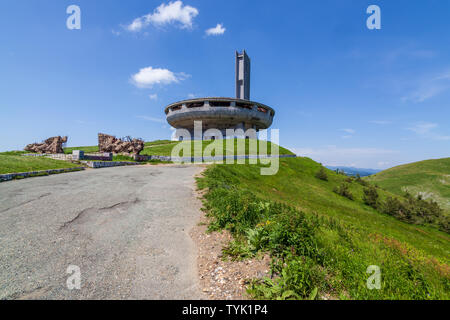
153,96
148,77
428,88
423,127
217,30
349,131
427,130
83,122
172,13
408,52
152,119
380,122
359,157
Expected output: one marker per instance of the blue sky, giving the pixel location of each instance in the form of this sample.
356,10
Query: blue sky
344,94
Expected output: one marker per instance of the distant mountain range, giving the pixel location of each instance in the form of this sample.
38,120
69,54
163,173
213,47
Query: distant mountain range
351,171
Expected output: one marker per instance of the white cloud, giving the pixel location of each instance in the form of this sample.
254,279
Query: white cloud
423,127
407,52
83,122
217,30
148,77
172,13
349,131
380,122
428,88
356,157
153,96
191,96
328,150
426,130
152,119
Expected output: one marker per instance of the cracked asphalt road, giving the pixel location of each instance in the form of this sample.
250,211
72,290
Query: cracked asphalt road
126,228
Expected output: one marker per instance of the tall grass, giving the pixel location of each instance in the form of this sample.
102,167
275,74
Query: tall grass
322,243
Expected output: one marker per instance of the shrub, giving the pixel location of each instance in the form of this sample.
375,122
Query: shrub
234,210
414,210
292,233
121,157
299,278
344,190
321,174
360,181
237,250
444,224
396,208
423,211
370,197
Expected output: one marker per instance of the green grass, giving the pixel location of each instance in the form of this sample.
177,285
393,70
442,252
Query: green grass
431,178
89,149
166,150
14,153
18,164
320,241
120,157
158,142
164,147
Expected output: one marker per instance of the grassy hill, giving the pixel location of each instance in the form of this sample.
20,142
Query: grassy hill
13,162
430,178
321,242
164,147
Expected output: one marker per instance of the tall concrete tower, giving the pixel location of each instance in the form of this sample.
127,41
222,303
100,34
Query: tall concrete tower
217,114
242,76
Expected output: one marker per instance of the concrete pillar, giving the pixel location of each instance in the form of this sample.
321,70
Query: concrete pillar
242,76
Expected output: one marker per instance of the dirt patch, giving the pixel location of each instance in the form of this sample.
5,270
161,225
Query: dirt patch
219,279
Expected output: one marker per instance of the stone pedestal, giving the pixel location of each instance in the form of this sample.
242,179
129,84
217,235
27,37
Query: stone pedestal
77,155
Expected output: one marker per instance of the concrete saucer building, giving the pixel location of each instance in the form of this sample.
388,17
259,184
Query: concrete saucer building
219,112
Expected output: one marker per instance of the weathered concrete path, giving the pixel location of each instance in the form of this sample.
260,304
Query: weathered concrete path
125,228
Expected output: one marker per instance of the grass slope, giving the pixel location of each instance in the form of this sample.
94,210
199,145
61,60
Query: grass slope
88,149
18,164
431,178
322,243
164,147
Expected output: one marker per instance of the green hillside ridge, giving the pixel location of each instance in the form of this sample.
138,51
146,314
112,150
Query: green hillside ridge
13,162
429,178
164,147
322,243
